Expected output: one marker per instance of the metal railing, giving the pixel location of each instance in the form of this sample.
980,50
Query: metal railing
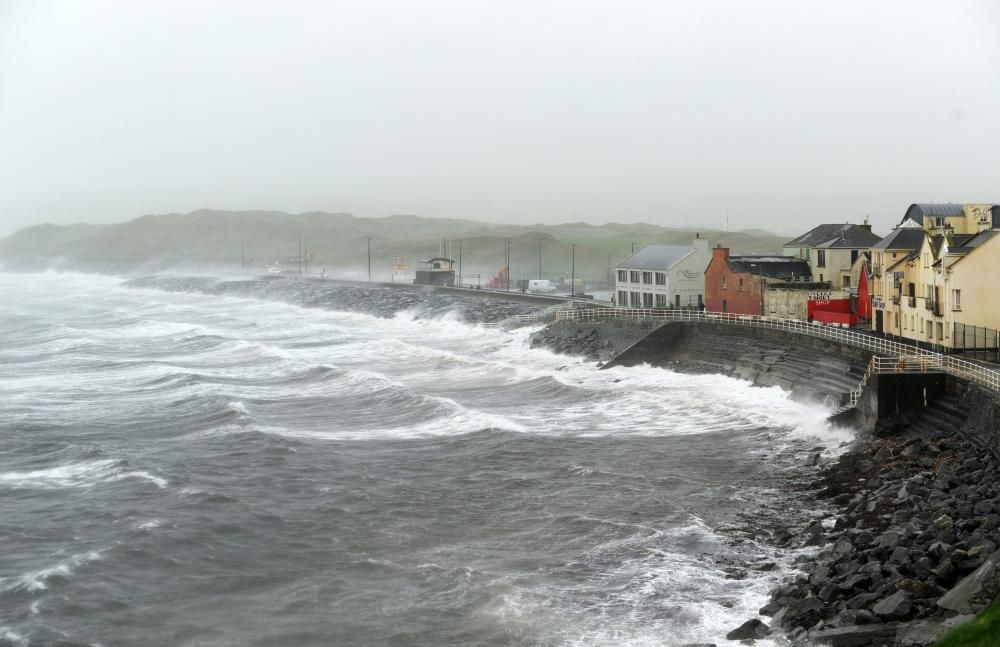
898,364
916,359
516,321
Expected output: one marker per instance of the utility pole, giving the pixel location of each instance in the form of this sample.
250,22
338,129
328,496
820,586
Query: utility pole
572,272
300,257
459,262
539,257
507,260
243,263
305,254
369,259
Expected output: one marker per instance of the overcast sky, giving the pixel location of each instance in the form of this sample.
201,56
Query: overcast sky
783,113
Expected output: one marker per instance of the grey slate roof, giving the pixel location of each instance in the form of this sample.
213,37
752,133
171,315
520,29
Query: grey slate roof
902,238
918,211
836,235
656,257
972,242
774,267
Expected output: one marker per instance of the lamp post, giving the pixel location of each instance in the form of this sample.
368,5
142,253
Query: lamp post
459,262
539,257
369,259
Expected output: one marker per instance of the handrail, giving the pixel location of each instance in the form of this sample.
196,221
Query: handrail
514,321
930,360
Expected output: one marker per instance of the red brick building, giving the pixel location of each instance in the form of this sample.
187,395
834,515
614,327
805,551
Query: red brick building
738,284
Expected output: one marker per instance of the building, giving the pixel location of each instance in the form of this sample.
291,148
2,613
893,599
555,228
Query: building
776,286
436,271
664,276
831,251
933,277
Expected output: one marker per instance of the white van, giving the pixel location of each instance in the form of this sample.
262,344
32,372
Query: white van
541,285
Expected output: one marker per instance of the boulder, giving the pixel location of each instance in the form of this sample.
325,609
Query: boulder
750,629
854,635
897,606
976,590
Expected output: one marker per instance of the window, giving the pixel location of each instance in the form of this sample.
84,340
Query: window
647,278
661,301
723,285
634,276
741,285
820,278
956,299
661,278
701,303
847,280
677,300
940,331
623,276
927,260
647,299
724,308
622,298
854,256
636,300
930,329
820,258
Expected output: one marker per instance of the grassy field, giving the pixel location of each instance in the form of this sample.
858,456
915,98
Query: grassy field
984,631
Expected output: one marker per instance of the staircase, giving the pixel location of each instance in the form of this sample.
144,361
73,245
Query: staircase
543,316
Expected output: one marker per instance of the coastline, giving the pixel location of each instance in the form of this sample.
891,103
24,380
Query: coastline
916,511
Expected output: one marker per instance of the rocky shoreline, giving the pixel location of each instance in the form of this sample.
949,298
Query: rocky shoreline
911,553
377,300
911,549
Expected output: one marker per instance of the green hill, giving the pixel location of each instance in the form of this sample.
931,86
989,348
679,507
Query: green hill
212,240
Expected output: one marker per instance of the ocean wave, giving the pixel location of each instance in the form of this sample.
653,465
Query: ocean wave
39,580
77,475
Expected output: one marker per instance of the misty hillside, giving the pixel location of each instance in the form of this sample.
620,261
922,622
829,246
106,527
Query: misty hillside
211,239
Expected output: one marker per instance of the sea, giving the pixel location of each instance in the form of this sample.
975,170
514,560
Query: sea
193,469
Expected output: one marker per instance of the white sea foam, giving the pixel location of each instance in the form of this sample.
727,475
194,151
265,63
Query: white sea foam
38,580
76,474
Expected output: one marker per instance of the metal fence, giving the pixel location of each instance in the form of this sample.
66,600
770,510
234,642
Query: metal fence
979,342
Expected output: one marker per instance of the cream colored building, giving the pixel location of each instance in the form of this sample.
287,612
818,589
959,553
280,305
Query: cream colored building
934,276
663,276
831,250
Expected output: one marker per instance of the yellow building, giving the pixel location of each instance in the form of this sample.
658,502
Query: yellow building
933,277
831,250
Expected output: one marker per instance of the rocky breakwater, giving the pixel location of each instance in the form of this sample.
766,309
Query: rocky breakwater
912,552
377,300
598,340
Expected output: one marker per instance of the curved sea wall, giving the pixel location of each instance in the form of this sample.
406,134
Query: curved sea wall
912,549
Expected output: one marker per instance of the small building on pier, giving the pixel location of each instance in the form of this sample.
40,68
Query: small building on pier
436,271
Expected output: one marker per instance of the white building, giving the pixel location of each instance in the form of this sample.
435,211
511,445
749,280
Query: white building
664,276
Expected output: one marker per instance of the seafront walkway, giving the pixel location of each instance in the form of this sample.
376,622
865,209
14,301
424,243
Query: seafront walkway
890,356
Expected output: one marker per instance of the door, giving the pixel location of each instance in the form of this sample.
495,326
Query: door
878,321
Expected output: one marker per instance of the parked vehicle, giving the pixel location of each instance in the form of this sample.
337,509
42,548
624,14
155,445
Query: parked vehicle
541,285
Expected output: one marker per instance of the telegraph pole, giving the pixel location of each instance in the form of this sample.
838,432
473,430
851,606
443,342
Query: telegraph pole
243,262
539,257
572,272
369,259
507,253
300,257
459,262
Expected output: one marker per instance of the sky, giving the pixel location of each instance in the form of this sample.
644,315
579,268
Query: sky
779,114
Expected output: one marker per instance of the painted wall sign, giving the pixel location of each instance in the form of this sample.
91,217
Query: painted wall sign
688,274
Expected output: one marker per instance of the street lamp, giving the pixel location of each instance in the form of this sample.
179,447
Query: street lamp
369,259
572,272
539,257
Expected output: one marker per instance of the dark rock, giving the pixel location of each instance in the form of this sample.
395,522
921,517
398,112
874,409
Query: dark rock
897,606
854,635
750,629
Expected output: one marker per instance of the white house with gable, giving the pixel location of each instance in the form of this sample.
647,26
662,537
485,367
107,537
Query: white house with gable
664,276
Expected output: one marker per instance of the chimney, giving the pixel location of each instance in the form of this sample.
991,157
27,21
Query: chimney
720,252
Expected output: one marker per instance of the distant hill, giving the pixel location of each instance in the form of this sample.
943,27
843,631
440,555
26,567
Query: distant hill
212,240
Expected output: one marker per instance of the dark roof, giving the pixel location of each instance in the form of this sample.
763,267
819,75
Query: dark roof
902,238
838,235
656,257
919,210
774,267
972,242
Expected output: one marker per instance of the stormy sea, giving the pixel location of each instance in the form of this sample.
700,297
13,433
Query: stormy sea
182,468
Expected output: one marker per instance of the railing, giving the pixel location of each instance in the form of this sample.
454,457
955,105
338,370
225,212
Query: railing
516,321
929,304
913,302
895,300
904,357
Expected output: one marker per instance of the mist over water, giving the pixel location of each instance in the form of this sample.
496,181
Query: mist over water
190,469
